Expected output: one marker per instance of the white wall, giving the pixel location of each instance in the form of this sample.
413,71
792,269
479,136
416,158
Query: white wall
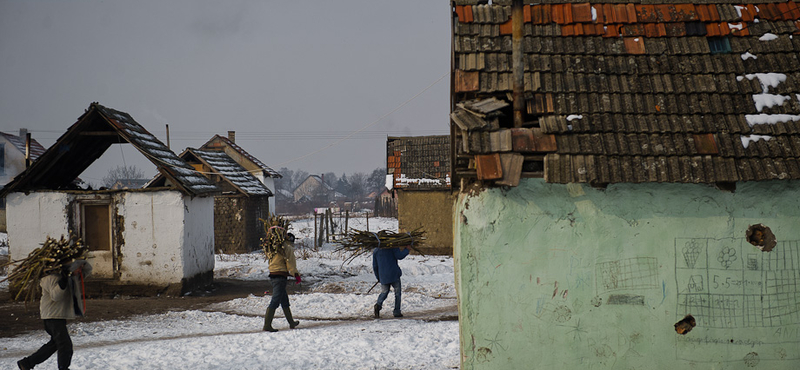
198,236
166,236
14,161
153,236
33,217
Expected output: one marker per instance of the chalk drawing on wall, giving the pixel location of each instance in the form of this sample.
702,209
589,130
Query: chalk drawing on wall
630,273
725,291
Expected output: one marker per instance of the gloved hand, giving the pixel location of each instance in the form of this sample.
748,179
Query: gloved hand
297,279
63,280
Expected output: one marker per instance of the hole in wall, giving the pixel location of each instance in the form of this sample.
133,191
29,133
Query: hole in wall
761,237
685,325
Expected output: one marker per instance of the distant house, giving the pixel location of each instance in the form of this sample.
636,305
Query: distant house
243,200
629,184
256,167
419,167
314,189
13,149
156,239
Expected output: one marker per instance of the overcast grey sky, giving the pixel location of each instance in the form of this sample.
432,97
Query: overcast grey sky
290,77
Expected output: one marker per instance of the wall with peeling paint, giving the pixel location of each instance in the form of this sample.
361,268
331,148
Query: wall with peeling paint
163,237
572,277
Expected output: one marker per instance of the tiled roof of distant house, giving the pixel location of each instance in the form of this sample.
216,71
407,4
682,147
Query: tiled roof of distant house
212,145
419,162
634,91
19,143
225,166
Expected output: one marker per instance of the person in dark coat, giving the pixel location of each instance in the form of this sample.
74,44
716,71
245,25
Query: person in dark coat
387,271
61,300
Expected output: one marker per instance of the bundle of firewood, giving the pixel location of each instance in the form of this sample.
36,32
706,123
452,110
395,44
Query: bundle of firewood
275,229
50,258
360,242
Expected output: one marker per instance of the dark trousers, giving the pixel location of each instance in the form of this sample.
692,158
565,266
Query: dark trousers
279,295
398,291
59,342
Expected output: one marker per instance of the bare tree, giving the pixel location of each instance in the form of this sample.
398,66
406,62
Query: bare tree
358,185
122,173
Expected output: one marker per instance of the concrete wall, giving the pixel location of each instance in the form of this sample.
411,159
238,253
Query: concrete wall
431,210
571,277
33,217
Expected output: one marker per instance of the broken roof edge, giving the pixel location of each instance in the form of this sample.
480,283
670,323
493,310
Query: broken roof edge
216,171
60,151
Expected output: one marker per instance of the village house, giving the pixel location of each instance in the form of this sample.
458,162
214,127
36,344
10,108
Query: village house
419,170
242,203
314,189
628,184
256,167
158,239
16,153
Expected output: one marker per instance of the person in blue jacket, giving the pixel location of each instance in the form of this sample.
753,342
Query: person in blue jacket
387,271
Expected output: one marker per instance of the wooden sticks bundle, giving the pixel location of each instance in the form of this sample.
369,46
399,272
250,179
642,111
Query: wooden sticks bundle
51,257
275,229
359,242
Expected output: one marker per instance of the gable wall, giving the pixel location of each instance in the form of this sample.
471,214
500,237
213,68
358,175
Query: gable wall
433,212
14,161
571,277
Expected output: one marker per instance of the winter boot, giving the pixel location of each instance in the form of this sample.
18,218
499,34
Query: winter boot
288,313
376,311
268,320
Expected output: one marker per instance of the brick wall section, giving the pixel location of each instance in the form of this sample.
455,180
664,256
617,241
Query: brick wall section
433,211
236,225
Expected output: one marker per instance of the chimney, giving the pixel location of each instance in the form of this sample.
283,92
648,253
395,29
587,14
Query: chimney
232,136
23,132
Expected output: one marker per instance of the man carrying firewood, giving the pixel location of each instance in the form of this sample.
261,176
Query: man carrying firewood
281,265
61,300
387,271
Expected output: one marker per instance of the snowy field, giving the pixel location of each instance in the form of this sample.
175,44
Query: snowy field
336,328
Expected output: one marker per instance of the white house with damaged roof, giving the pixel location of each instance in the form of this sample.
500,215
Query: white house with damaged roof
158,239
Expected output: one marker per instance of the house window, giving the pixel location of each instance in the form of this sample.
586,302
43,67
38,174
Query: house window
96,226
719,45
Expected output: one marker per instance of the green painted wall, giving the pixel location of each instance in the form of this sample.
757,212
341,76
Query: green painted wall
571,277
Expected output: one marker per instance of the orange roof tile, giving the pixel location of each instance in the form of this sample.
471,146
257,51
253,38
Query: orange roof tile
582,13
666,13
686,12
712,29
600,15
724,29
468,14
546,13
460,13
655,30
557,13
631,10
633,30
795,11
737,29
612,30
748,13
646,13
567,30
769,11
634,45
506,28
703,12
598,30
567,13
713,13
785,12
608,13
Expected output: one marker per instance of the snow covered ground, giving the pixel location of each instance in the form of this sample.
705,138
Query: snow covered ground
336,328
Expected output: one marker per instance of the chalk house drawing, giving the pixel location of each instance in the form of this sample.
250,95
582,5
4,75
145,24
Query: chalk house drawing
725,291
631,273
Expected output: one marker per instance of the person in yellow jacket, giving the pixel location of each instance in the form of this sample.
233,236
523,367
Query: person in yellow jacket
61,300
281,266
